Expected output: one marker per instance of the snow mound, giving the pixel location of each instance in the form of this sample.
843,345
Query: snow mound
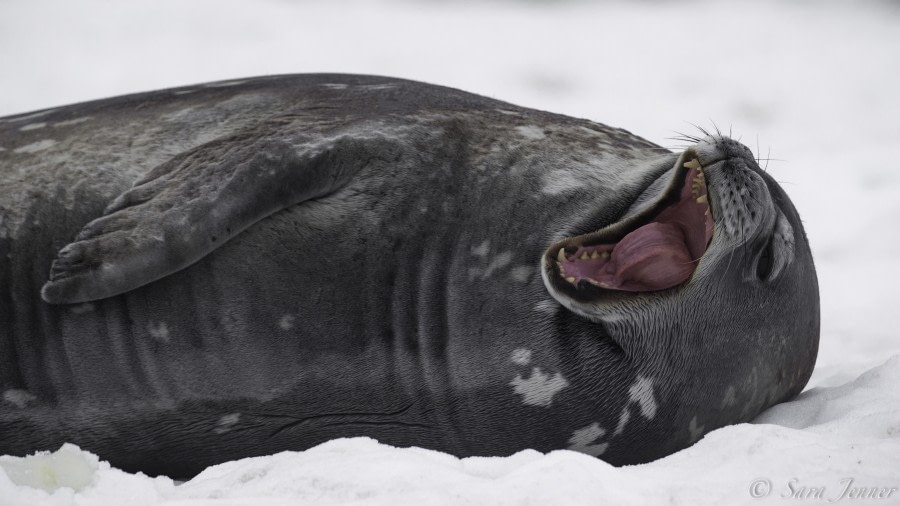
866,407
830,444
67,467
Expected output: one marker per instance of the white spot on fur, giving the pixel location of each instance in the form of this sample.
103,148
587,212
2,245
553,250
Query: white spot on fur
482,249
34,147
183,92
18,398
226,423
696,431
585,440
521,356
32,126
549,306
500,261
179,114
2,148
563,181
225,84
159,331
539,388
531,132
642,393
729,398
591,131
86,307
70,122
507,112
521,274
623,421
335,86
287,322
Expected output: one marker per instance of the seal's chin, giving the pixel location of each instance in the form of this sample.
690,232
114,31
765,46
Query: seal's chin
655,249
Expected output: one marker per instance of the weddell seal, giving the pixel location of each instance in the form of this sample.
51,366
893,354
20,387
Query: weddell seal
201,274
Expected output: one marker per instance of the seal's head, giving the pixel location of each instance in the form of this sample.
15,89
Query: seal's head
708,270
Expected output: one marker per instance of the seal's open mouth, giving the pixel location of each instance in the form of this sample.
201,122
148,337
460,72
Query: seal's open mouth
655,249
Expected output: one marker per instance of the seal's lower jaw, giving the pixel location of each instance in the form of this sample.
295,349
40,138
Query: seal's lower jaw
654,249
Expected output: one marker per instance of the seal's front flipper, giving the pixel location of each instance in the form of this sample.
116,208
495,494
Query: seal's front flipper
188,206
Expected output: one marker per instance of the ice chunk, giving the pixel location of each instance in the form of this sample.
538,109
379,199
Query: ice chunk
67,467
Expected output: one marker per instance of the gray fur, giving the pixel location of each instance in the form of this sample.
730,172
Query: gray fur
266,264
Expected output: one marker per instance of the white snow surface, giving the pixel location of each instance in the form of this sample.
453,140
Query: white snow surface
811,85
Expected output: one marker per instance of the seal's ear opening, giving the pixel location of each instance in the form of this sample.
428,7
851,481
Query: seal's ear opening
656,249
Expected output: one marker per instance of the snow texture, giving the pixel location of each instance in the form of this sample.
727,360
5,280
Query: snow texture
812,86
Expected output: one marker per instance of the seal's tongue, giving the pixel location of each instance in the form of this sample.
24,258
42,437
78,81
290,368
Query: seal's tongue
652,257
655,256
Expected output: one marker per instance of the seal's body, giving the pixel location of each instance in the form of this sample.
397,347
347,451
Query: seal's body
256,266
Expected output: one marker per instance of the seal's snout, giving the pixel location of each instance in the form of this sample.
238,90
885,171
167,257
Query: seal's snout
656,249
720,147
750,217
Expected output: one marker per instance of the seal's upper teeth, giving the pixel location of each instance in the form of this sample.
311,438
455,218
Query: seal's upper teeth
701,199
692,164
571,279
594,255
562,255
584,256
605,254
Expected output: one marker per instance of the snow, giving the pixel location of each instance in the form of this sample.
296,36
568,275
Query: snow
811,85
